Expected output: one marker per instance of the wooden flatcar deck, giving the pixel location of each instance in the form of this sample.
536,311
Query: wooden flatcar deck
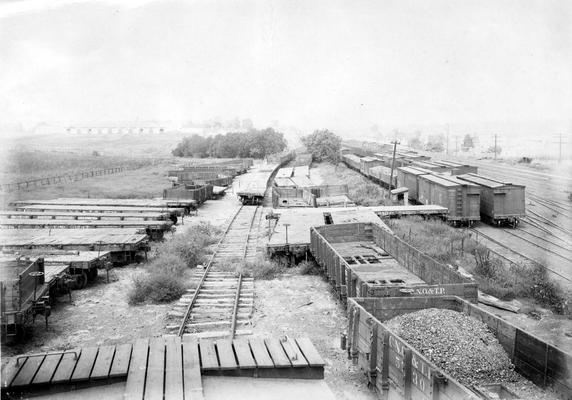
57,215
149,203
98,209
168,367
64,223
76,239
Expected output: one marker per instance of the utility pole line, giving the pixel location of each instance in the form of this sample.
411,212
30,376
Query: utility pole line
560,143
395,143
447,139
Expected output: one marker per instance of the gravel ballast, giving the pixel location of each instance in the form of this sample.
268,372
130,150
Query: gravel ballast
456,343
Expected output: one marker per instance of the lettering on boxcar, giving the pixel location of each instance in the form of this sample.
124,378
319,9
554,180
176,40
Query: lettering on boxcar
430,291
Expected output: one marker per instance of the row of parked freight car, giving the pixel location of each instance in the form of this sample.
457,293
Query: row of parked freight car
381,276
468,196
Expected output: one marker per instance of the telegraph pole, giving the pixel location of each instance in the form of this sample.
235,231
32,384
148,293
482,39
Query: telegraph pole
447,139
395,143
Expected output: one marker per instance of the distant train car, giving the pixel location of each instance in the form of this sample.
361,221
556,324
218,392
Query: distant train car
501,202
409,177
352,161
457,168
382,174
433,166
462,198
366,163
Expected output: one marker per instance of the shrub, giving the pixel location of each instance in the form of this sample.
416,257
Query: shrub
260,268
547,293
309,268
156,287
192,246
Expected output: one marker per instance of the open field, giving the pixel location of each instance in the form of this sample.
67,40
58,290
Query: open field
145,182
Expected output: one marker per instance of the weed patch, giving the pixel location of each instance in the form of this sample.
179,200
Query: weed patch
156,287
164,281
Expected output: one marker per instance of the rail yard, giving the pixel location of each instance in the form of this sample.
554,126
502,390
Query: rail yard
273,211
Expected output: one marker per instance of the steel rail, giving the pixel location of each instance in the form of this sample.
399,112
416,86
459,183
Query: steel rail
204,276
517,253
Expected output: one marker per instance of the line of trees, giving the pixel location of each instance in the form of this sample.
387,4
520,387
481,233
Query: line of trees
254,143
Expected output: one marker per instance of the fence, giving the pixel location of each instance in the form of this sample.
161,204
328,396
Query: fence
53,180
427,268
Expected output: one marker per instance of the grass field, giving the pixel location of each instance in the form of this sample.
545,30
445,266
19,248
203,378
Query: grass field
146,182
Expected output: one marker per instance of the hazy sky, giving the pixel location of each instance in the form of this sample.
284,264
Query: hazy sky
306,63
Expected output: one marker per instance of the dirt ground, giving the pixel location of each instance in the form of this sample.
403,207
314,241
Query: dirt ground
302,305
98,314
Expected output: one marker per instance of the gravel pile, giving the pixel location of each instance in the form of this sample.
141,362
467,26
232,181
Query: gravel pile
456,343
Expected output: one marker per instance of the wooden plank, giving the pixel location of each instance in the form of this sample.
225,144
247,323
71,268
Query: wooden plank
294,354
65,367
310,352
47,370
193,386
260,353
173,368
103,363
85,364
243,354
277,353
28,371
135,386
226,354
209,359
155,369
9,371
120,364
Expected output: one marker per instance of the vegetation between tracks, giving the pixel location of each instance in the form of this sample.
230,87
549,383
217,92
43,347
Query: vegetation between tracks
361,190
494,275
164,277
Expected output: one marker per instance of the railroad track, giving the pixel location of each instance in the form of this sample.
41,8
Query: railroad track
509,254
223,300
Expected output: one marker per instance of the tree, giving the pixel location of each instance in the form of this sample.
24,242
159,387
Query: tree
435,143
323,145
415,141
468,142
254,143
192,146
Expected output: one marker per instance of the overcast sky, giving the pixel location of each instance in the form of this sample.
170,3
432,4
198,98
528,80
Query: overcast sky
311,64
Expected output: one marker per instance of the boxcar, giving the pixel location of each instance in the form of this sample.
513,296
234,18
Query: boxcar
366,163
461,198
409,177
382,175
433,166
397,370
457,168
368,260
501,202
352,161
